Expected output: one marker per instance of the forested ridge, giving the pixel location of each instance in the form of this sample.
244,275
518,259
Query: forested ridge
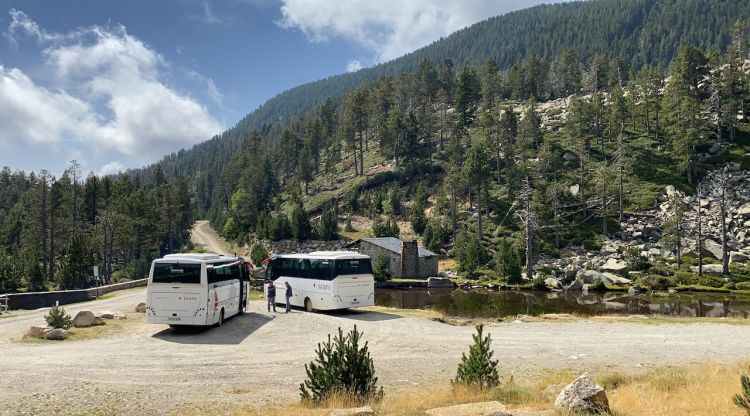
637,32
492,157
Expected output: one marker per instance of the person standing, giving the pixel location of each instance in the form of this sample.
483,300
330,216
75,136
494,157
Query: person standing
288,296
271,296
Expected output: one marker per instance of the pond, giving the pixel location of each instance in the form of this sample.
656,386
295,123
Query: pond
487,303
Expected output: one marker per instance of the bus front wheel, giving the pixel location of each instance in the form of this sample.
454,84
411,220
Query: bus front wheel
308,305
221,318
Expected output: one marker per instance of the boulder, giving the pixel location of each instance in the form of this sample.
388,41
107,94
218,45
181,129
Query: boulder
574,189
634,290
86,318
744,210
354,411
613,279
569,156
708,268
576,285
713,248
111,315
553,283
37,331
616,267
439,282
471,409
583,396
589,276
57,334
141,308
671,191
737,257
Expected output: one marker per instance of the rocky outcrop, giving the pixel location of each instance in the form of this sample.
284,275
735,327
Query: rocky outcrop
86,318
583,396
615,266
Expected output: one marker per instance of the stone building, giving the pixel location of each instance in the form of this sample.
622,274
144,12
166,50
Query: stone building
405,259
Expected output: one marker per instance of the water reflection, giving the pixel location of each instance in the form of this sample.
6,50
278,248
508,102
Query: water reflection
485,303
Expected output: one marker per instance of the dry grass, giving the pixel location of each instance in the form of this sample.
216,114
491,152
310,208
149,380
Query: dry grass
447,264
705,389
698,390
111,326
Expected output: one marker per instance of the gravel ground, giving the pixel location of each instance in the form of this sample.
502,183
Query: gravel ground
258,358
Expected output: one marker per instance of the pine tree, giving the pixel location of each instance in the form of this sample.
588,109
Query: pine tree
328,228
57,318
478,369
742,400
342,367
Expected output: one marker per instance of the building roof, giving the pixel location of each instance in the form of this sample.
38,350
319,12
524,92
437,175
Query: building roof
394,244
323,255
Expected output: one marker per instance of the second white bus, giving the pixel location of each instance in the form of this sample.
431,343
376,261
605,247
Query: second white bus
323,280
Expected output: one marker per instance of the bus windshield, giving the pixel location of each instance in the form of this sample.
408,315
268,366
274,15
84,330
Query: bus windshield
353,266
177,273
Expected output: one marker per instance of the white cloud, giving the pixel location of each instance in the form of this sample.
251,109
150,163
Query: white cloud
390,28
353,65
111,168
108,92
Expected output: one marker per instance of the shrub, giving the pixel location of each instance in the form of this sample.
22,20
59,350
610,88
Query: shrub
478,369
598,285
341,367
653,282
258,254
635,260
743,399
742,286
380,269
435,235
539,283
592,245
58,318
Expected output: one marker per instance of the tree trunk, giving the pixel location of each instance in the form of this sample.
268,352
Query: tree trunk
529,236
724,254
361,158
700,236
480,230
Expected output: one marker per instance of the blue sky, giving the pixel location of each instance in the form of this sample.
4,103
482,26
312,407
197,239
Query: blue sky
118,84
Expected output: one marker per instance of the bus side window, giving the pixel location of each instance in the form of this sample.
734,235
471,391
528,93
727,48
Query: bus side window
211,274
305,269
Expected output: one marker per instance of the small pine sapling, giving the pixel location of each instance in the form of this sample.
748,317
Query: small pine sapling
478,369
58,318
743,400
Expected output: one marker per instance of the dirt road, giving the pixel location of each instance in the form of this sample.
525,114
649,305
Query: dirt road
204,235
259,358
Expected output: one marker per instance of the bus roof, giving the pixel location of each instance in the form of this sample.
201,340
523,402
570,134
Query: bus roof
200,257
333,255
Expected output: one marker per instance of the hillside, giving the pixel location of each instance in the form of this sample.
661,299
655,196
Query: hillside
637,32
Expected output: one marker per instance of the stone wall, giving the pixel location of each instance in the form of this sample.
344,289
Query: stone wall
394,259
294,246
428,267
36,300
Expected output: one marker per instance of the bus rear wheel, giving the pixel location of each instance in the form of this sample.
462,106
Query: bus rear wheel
308,305
221,318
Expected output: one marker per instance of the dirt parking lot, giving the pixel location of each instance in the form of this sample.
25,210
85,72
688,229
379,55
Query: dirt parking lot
258,358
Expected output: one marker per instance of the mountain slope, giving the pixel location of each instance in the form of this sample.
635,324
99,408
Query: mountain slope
636,31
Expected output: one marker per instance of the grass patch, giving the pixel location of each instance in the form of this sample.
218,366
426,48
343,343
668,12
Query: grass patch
698,390
111,327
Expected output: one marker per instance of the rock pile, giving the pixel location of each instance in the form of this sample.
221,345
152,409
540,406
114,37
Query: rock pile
48,332
583,396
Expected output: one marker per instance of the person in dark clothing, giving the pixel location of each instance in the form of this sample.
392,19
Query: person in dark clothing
271,296
288,296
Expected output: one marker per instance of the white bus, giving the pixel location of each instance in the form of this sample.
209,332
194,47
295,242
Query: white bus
196,289
323,280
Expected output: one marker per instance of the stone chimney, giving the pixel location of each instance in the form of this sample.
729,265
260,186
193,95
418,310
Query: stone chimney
409,259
